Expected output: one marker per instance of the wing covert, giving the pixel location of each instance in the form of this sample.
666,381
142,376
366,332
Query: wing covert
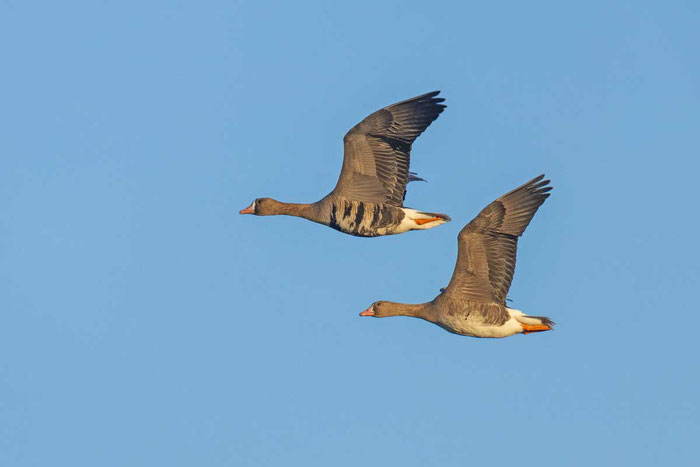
378,150
488,244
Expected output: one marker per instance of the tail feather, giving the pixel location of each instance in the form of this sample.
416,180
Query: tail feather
527,319
546,321
428,215
420,220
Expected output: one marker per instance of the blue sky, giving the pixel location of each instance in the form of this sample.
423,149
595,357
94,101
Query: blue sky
144,322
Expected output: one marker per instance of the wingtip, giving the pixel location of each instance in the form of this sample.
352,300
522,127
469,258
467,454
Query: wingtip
539,185
432,97
542,187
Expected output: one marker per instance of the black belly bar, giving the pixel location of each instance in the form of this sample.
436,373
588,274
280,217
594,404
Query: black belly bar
363,219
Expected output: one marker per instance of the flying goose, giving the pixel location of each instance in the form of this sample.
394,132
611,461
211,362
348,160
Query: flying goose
368,198
474,302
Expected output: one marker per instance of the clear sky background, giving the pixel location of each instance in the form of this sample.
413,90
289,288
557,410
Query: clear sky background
144,322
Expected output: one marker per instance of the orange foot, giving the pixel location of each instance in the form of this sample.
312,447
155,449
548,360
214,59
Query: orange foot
528,328
425,221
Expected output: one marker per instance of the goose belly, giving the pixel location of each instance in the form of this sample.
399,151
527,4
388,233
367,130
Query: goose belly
476,319
476,328
364,219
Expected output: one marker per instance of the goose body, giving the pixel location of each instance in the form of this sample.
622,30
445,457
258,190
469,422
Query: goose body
474,302
368,198
375,219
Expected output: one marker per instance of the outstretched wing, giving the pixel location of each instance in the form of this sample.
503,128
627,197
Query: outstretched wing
488,244
378,150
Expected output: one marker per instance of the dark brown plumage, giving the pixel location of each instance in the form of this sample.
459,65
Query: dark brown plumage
474,302
488,244
378,150
367,200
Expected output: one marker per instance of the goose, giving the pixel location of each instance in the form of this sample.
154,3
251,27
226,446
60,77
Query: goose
474,302
368,199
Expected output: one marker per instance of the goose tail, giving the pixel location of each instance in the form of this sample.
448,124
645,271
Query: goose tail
421,220
534,323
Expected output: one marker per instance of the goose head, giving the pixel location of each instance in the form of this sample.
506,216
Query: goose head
263,207
382,309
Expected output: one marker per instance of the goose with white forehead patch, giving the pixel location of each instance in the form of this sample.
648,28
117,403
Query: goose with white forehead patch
474,302
368,199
